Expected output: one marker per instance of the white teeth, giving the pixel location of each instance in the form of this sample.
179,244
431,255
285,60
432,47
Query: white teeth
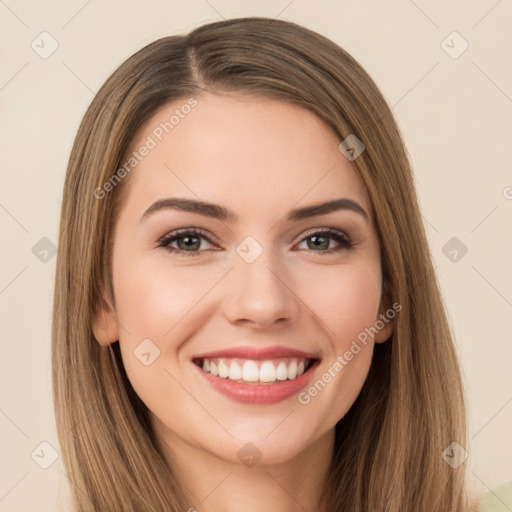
255,371
292,370
281,371
223,370
267,372
235,371
250,371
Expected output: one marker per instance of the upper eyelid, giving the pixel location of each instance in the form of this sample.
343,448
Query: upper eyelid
323,229
184,231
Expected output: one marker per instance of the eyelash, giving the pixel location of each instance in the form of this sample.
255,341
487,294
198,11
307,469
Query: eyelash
338,236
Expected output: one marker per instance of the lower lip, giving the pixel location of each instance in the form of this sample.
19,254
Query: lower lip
258,394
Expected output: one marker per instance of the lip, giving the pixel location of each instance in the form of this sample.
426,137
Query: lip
258,353
258,393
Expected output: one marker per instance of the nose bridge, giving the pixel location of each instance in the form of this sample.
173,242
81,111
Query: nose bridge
259,292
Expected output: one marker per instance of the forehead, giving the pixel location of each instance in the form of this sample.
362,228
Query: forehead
241,151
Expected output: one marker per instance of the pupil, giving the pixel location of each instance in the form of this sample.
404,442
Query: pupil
188,242
323,245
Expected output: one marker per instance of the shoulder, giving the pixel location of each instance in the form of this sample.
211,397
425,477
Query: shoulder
498,499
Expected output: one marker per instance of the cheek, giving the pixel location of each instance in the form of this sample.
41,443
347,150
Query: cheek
346,301
347,305
161,304
153,301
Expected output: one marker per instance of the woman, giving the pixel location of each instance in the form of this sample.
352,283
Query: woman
246,314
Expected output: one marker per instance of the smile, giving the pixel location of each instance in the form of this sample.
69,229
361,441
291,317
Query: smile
257,376
255,372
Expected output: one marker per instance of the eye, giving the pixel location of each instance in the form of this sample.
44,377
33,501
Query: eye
320,241
188,242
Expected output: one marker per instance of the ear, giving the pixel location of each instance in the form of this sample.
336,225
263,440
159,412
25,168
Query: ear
385,320
104,323
387,330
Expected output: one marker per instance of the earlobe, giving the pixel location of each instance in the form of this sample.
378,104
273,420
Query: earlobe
105,326
385,333
384,324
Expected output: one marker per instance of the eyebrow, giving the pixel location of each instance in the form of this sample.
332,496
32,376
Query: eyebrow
219,212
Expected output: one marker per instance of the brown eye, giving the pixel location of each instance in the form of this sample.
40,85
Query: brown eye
188,242
320,241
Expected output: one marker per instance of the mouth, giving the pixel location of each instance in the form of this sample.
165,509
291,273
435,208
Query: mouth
256,372
257,377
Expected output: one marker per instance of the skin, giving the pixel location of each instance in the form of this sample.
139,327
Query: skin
244,153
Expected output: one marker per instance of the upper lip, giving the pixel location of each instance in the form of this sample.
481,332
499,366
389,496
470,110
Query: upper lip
257,353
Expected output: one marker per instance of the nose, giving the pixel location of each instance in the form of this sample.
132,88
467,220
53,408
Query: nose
260,294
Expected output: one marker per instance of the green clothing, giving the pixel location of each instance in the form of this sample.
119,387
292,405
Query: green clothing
498,500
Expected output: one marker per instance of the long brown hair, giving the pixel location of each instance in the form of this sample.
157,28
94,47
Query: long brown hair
389,446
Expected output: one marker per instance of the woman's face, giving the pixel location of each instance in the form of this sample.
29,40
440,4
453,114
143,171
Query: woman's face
252,283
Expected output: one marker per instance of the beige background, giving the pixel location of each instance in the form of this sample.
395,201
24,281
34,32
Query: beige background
455,114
